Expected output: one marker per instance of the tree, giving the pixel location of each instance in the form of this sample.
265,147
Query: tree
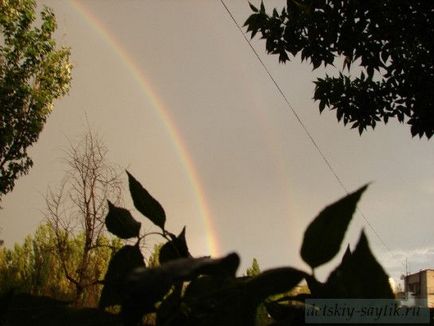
389,40
33,73
254,269
79,206
34,267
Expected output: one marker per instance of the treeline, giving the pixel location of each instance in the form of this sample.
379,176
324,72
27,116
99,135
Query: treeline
35,267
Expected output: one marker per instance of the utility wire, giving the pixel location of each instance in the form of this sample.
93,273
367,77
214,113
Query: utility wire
300,121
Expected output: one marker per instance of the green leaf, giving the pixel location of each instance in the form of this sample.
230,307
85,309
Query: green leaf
274,281
145,203
359,276
121,223
121,265
174,249
323,237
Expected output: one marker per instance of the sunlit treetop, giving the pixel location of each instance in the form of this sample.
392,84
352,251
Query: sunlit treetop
33,73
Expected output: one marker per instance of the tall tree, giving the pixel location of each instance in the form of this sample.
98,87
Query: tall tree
79,205
390,42
33,73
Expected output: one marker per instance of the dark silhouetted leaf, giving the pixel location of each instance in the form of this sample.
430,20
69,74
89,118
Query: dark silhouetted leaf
184,269
347,254
221,267
219,301
169,312
174,249
262,7
254,9
323,237
145,203
285,314
146,287
121,223
274,281
359,276
121,265
316,288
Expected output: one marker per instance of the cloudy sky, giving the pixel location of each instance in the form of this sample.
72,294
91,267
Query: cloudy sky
182,102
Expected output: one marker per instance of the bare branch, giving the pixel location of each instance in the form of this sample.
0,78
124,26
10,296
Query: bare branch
81,203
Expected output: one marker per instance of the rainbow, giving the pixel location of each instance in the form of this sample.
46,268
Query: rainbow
167,120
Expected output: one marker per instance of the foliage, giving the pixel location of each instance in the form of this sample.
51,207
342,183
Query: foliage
31,267
34,268
254,269
390,40
153,260
183,290
33,73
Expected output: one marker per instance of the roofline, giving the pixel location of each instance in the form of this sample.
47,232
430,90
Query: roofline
421,271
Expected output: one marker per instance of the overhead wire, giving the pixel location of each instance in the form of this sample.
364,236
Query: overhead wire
302,124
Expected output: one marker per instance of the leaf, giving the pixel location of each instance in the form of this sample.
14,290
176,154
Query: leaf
222,267
205,286
323,237
219,301
359,276
145,203
262,10
254,9
274,281
283,57
121,265
121,223
174,249
169,309
146,287
285,314
322,106
316,288
347,254
185,269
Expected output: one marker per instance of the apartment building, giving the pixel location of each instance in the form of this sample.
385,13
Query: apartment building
421,285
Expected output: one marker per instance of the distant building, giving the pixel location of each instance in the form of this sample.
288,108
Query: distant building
421,285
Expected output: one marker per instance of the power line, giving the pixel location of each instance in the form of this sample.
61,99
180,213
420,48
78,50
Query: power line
300,121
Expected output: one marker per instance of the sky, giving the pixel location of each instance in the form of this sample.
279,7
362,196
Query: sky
181,101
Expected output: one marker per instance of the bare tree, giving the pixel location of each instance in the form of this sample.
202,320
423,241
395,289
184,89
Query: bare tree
78,207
